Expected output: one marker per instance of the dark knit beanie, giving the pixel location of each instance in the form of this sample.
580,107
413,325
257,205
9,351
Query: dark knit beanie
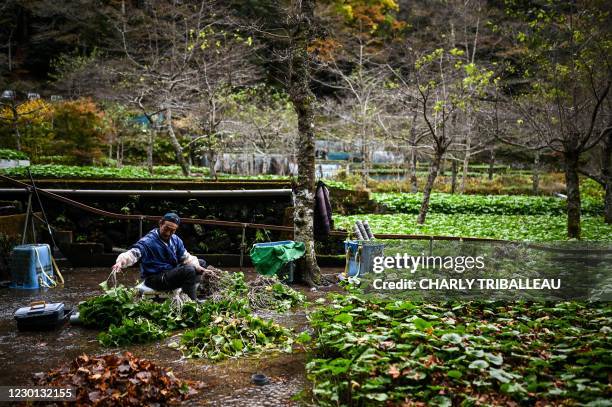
172,217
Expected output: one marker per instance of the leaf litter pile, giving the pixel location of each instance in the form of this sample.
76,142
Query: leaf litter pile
375,352
221,327
118,380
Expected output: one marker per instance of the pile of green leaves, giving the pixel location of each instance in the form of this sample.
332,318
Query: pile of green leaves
374,352
270,294
235,336
147,321
8,154
286,297
484,204
107,309
128,321
139,330
505,227
263,293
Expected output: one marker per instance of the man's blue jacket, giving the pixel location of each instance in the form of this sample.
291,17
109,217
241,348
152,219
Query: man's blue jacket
156,255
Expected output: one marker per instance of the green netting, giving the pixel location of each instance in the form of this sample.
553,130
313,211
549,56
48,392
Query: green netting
269,258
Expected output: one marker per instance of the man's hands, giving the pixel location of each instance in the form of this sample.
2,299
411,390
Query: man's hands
199,269
117,267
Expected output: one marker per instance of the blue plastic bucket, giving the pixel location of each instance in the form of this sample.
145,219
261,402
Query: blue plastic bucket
31,266
268,244
360,256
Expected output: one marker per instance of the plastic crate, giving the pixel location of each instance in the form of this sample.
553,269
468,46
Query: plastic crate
27,264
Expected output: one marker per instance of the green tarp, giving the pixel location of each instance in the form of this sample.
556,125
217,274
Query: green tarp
269,258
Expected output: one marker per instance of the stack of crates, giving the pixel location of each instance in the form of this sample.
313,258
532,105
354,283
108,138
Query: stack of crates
27,264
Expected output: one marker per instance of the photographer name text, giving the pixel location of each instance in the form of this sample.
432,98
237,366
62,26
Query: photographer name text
467,284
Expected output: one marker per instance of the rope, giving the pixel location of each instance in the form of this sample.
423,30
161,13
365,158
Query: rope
41,280
347,262
42,209
57,270
178,300
112,276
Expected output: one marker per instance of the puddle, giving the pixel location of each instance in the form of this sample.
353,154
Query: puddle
226,384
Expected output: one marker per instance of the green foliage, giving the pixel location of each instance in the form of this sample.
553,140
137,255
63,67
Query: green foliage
374,18
505,227
590,189
227,315
286,297
107,309
456,85
483,205
373,351
78,128
8,154
269,293
68,171
337,184
234,337
130,331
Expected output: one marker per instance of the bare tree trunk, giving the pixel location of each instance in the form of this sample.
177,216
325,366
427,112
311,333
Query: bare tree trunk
431,178
410,159
491,162
303,102
535,188
365,163
453,176
442,167
212,162
150,138
573,194
607,177
120,152
413,172
466,162
608,201
178,150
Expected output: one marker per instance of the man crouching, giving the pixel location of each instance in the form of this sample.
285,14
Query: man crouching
165,264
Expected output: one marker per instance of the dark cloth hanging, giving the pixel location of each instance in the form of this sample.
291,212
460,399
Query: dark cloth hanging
323,222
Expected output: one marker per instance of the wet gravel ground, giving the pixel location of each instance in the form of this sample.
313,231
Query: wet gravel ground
225,384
